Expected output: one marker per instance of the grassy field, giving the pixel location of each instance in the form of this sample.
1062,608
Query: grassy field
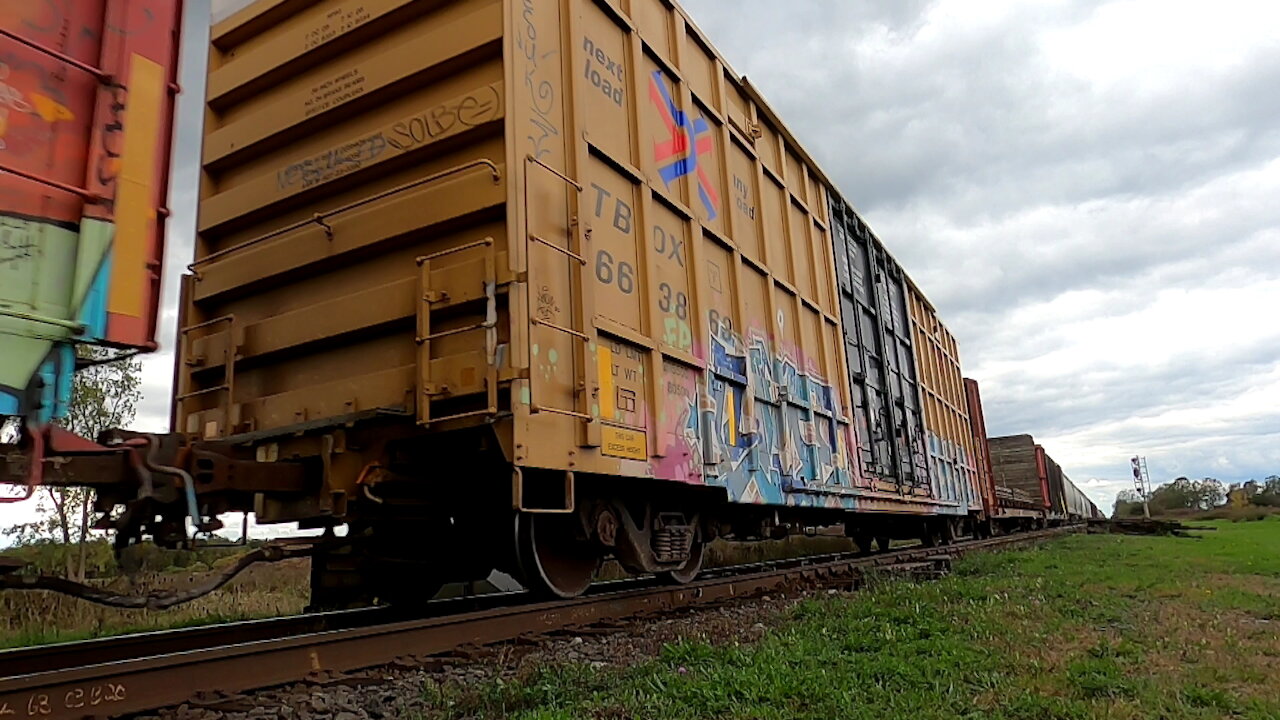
32,617
1090,626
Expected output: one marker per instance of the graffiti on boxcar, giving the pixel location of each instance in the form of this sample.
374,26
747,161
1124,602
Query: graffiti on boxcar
760,362
17,242
112,142
678,426
451,117
742,198
548,309
11,98
771,430
687,139
675,331
474,108
27,114
332,163
542,93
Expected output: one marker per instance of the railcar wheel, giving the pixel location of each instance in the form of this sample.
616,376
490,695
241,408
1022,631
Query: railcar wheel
882,543
553,560
689,570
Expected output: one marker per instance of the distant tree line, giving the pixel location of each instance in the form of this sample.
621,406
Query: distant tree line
1185,494
104,394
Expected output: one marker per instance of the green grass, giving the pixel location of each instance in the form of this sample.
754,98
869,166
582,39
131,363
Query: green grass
36,617
1085,627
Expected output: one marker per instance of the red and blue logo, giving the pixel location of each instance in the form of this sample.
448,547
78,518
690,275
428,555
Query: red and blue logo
688,139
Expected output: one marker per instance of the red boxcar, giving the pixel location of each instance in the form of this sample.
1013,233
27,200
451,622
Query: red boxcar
87,91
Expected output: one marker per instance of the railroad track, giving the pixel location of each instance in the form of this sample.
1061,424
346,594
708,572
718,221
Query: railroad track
134,673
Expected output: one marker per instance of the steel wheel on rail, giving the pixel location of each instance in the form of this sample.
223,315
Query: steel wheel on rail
689,570
553,558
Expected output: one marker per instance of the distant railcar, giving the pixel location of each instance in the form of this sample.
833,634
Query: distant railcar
1021,467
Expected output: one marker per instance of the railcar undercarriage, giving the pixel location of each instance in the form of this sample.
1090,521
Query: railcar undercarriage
421,512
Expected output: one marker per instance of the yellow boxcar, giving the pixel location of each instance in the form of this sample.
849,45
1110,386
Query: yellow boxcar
953,460
540,278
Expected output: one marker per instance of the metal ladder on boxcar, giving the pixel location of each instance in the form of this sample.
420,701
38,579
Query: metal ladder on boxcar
579,314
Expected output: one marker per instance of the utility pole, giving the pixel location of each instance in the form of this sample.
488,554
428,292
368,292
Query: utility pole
1142,482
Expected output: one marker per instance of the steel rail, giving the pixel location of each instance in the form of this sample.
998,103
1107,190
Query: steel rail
115,648
160,679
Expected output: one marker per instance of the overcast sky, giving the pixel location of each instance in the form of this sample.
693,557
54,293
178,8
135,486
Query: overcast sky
1088,191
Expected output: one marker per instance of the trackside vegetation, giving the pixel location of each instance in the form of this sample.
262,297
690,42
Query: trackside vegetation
1088,626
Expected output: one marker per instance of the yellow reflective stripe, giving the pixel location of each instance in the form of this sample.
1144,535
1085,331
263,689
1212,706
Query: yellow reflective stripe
135,187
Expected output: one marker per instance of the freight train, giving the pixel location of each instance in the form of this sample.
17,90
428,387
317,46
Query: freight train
513,284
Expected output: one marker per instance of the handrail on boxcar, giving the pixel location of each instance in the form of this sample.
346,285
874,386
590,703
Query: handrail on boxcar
319,218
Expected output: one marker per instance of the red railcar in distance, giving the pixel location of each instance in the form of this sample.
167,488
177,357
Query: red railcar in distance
982,452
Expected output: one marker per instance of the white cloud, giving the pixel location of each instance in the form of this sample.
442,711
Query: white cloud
1149,47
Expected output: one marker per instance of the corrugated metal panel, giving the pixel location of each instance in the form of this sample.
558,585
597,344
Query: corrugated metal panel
84,148
1078,504
1057,489
948,431
353,155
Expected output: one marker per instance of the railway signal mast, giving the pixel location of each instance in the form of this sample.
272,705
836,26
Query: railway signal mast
1142,482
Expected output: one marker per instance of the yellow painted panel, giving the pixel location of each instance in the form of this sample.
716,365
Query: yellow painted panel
624,443
604,361
731,416
134,211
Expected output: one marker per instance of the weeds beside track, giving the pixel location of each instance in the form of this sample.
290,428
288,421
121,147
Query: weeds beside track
1091,626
